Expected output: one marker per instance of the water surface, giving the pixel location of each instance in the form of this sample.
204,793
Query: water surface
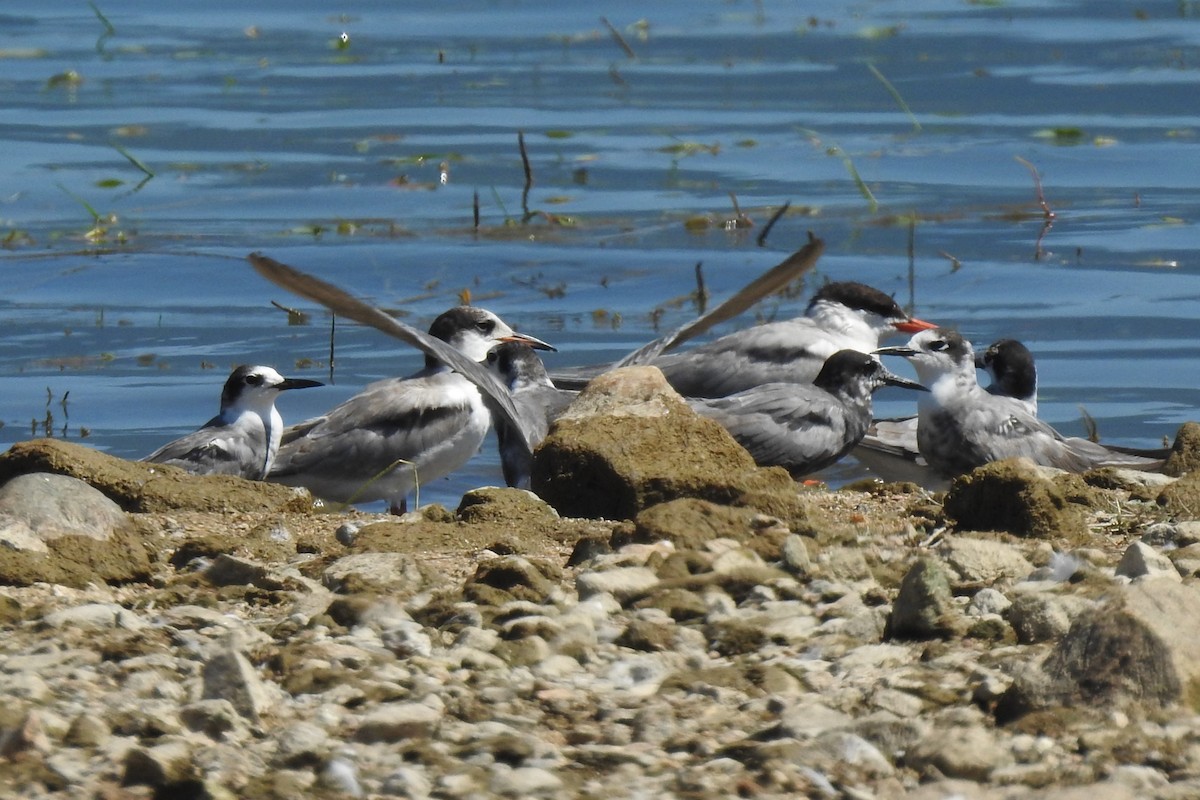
262,134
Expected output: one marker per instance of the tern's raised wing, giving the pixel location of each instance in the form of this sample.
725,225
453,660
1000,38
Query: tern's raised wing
340,302
766,284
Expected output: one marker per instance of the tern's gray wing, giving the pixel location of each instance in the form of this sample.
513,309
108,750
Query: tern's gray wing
401,418
1000,427
801,428
790,351
342,303
766,284
216,449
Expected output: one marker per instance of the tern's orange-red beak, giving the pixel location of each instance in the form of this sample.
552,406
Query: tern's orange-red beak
913,325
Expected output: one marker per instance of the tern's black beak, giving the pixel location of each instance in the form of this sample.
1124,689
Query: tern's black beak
298,383
891,379
898,350
532,341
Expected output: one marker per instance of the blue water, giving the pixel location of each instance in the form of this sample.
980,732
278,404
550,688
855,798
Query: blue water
262,134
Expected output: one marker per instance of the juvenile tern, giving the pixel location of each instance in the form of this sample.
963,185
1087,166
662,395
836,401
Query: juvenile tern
244,437
960,426
805,427
538,404
889,448
400,432
1013,374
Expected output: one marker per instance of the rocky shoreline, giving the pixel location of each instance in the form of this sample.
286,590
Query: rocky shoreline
724,633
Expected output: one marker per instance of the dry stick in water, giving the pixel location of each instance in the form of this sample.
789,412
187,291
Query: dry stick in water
762,237
332,329
1047,214
618,38
701,292
475,208
528,176
1037,185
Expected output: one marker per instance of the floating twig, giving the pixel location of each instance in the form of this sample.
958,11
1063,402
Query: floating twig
528,175
762,236
134,160
955,264
912,264
701,291
1048,215
475,208
332,330
295,315
1089,424
895,95
1037,185
618,38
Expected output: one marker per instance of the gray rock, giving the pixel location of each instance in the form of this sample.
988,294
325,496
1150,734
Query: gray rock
524,782
394,722
94,616
988,601
622,582
959,751
215,718
795,555
984,560
408,781
41,506
924,607
1038,617
1143,561
301,744
1142,644
377,573
88,730
165,763
229,676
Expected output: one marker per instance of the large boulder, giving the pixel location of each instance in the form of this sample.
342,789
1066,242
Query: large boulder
140,487
629,441
58,529
1014,496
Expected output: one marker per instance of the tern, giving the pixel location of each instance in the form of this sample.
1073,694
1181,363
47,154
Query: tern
244,437
841,316
1010,366
805,428
890,449
538,404
960,426
401,432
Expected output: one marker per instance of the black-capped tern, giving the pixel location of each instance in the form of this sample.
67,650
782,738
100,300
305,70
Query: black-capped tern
402,432
841,316
960,426
805,427
244,437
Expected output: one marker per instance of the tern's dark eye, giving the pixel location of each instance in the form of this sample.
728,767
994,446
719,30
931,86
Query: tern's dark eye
486,326
492,356
254,380
938,345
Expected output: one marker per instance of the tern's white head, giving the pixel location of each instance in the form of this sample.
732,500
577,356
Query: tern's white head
937,353
473,331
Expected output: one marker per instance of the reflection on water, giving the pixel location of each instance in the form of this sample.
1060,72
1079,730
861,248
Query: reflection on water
144,162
